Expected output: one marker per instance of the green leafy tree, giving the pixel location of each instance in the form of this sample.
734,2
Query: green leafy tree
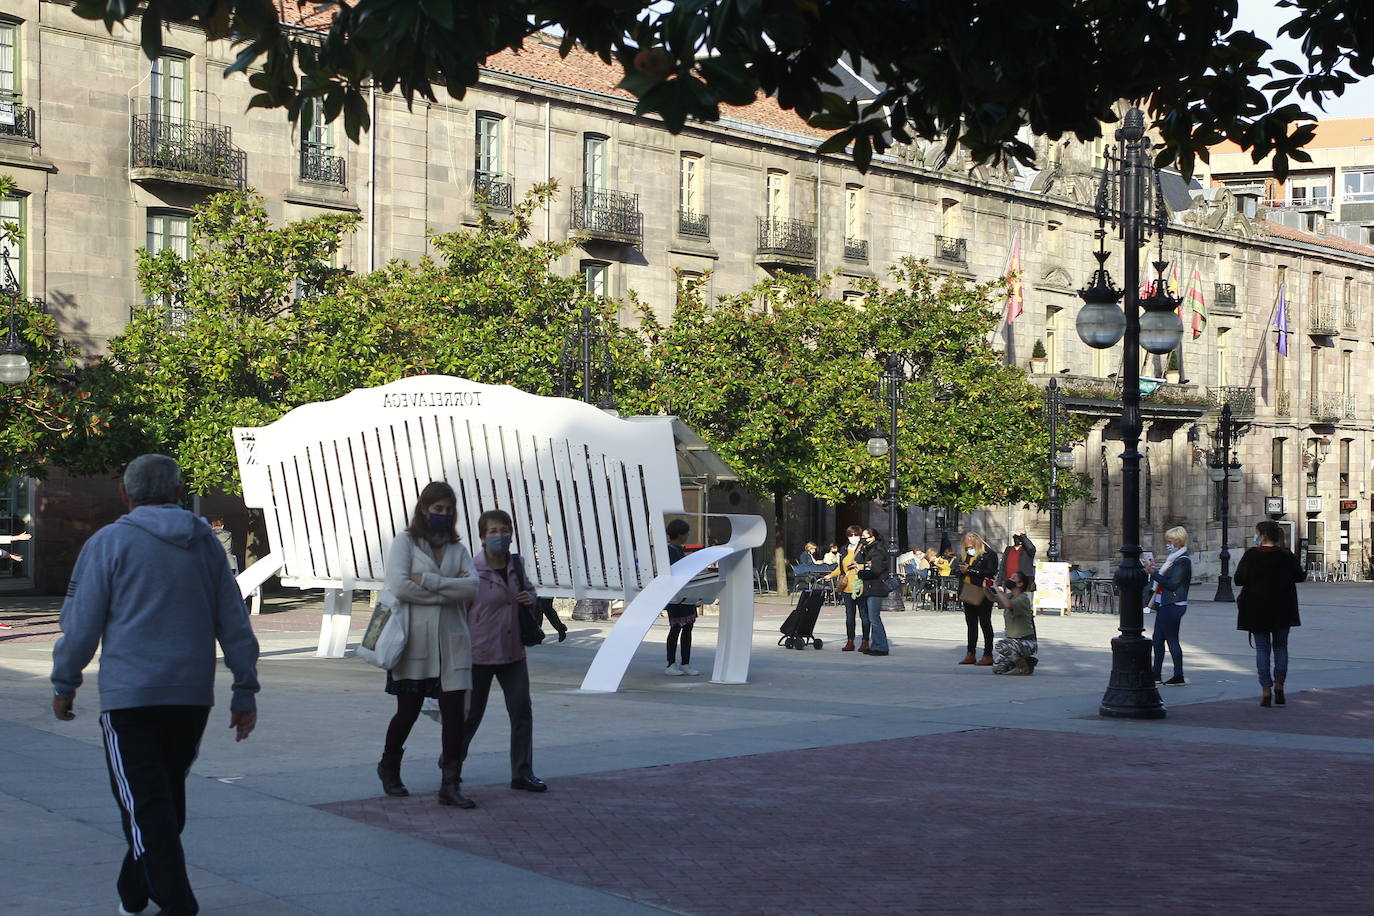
974,74
782,382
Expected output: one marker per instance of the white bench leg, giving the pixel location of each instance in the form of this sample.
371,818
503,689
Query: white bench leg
334,626
735,635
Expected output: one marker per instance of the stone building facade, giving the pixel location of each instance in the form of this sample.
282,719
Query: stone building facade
111,152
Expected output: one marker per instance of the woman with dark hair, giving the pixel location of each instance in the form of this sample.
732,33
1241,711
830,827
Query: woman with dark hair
504,592
681,617
976,567
874,570
429,569
1267,606
846,572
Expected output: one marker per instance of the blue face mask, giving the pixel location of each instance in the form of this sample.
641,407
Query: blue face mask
439,524
497,544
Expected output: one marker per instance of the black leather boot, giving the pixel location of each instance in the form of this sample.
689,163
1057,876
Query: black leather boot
450,789
389,771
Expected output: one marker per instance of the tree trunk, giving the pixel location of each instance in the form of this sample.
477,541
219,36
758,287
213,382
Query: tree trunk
780,564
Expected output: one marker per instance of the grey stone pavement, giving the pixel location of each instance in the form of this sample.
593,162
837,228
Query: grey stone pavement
271,830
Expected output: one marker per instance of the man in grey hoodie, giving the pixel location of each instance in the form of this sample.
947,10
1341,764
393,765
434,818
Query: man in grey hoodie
154,590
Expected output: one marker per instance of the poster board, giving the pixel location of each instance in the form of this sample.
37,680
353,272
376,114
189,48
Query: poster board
1051,587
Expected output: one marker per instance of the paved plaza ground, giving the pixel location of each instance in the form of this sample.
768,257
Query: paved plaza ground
832,783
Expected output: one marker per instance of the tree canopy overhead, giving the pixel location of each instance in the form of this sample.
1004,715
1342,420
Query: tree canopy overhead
973,72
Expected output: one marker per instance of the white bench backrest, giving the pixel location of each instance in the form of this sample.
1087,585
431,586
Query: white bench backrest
588,492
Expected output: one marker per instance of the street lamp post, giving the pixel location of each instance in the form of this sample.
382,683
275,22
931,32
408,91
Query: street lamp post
586,360
890,389
14,364
1061,459
1129,198
1225,470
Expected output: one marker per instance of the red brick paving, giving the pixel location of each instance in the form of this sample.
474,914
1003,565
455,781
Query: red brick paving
1342,713
978,821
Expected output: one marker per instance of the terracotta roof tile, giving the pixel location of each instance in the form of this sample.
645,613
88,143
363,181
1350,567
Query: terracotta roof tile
1324,239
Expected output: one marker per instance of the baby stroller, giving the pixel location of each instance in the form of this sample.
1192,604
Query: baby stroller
797,628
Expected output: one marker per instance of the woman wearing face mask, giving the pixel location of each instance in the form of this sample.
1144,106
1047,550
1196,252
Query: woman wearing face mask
503,593
872,560
431,570
1267,606
1170,583
846,572
976,566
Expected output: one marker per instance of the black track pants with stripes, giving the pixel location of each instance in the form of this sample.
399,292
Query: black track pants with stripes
149,750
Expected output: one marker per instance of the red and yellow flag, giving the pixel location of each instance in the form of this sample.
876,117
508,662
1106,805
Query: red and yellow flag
1016,298
1198,303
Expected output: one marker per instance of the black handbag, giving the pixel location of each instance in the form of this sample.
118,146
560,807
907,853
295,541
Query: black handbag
531,634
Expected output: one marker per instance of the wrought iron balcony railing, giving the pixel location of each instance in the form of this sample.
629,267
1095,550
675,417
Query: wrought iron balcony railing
189,148
951,250
693,225
608,215
16,120
1327,408
1224,299
1242,400
1322,320
1348,406
489,189
856,249
1283,404
320,165
792,238
1348,316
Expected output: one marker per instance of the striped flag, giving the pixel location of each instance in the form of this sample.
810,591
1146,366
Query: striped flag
1281,321
1016,299
1198,303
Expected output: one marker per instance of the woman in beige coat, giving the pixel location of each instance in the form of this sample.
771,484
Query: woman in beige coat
429,569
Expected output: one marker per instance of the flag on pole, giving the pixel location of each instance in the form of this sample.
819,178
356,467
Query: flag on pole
1016,299
1281,321
1198,303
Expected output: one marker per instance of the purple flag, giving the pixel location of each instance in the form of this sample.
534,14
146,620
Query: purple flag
1281,322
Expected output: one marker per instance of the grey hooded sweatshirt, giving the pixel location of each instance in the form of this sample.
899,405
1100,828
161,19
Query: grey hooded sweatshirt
155,591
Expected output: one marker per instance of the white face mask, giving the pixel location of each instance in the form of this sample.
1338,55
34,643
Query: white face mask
973,552
854,540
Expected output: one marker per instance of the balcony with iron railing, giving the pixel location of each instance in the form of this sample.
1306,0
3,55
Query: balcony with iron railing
693,225
607,215
1283,404
185,153
1348,318
786,241
1323,320
1327,408
321,166
856,249
1242,400
951,250
1224,299
489,189
16,120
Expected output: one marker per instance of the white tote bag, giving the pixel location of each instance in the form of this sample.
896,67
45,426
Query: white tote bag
385,637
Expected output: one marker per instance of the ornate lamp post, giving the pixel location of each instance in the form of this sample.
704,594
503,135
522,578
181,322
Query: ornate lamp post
1224,470
1061,459
1130,199
586,359
14,365
891,383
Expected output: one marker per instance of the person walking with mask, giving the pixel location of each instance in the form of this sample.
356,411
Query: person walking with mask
430,569
503,593
846,574
1267,606
1171,582
154,591
977,565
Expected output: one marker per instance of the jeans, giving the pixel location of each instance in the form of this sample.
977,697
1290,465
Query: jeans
1277,643
1168,619
878,643
851,605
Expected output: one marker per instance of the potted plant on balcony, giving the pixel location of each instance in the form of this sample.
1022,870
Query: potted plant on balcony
1171,368
1038,359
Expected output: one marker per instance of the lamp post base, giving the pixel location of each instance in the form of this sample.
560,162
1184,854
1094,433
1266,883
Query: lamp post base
1224,592
1131,691
592,609
894,603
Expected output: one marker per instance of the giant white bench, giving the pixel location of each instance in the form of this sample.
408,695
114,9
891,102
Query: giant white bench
588,491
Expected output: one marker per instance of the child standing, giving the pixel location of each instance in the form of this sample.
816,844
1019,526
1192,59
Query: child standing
680,616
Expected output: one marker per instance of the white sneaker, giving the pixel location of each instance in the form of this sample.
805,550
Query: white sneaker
674,671
124,912
689,671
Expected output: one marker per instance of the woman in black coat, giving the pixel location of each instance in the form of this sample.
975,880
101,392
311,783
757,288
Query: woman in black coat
1268,605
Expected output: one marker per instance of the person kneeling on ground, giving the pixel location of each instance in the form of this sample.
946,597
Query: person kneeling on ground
1015,652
